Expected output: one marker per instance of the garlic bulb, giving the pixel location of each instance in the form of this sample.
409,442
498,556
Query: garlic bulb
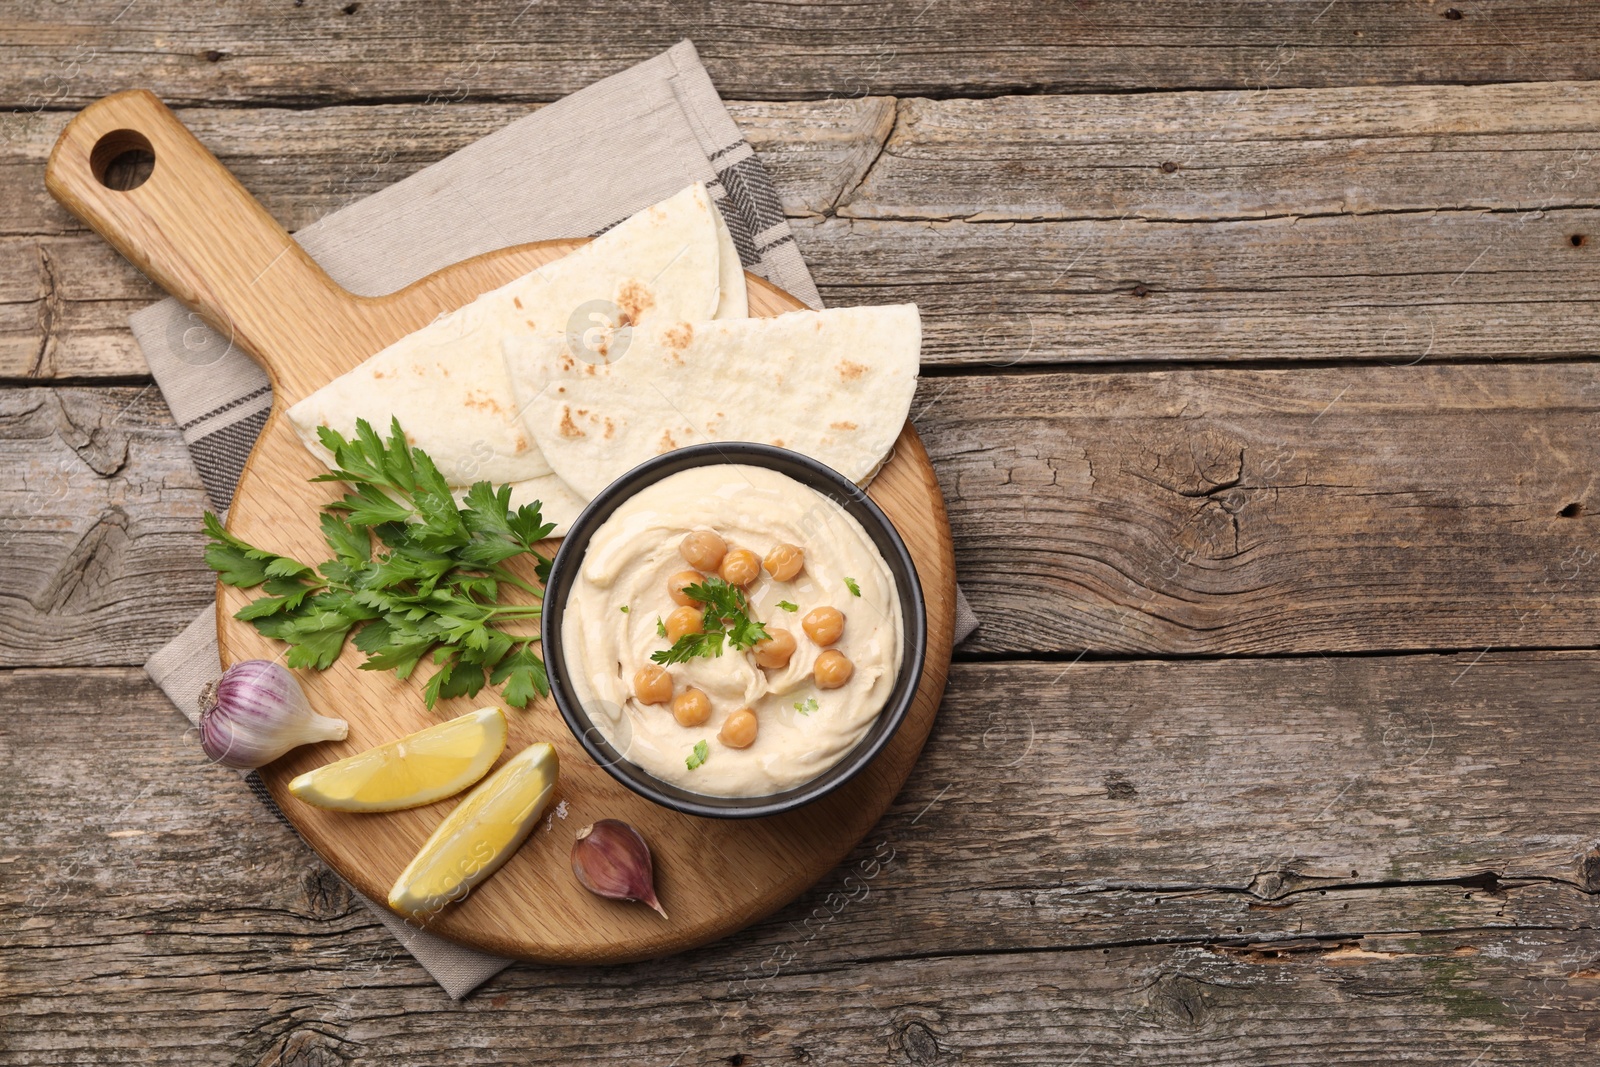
256,712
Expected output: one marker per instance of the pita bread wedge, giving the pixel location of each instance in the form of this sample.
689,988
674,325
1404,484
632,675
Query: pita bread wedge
834,385
447,383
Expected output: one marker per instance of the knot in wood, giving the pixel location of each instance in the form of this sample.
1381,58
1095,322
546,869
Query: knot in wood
919,1043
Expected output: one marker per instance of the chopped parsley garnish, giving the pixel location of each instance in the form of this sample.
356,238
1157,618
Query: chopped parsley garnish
698,756
661,627
726,619
412,573
623,609
787,606
850,584
807,706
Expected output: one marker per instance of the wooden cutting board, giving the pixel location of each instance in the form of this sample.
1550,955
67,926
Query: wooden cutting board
200,235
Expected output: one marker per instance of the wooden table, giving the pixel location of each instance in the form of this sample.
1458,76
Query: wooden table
1261,380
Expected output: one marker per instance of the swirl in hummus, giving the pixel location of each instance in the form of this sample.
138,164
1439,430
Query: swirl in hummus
806,715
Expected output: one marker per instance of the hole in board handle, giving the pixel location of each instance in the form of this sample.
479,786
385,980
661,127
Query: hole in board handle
122,160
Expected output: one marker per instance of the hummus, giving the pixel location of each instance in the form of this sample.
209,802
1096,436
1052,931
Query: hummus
610,629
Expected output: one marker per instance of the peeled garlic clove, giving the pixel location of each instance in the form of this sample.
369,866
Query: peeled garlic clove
612,860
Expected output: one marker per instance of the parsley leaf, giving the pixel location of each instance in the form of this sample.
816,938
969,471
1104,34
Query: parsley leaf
850,584
726,619
689,646
623,609
661,627
807,706
522,673
787,606
698,756
237,563
432,582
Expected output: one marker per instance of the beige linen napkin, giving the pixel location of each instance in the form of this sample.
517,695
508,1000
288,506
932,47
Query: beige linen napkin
575,167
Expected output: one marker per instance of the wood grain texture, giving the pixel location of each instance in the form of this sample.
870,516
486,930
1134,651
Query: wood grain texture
1096,862
1210,156
1378,507
1438,223
99,558
1180,887
1220,512
328,51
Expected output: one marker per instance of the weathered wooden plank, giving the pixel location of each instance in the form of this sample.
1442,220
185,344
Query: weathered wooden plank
1057,238
1228,511
1174,513
1392,289
1125,862
1208,156
327,51
98,556
1430,1000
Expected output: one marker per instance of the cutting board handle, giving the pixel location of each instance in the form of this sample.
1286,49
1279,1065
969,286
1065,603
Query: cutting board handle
201,236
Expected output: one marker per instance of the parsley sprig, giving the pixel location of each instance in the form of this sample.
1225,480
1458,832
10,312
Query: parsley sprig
726,618
431,583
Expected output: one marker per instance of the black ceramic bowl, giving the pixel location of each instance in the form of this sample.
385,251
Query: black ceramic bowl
831,484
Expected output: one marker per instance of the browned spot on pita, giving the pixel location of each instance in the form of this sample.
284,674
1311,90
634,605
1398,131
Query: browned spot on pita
844,425
610,429
561,388
521,443
678,337
633,300
667,443
531,326
517,300
777,442
380,374
568,428
478,400
850,371
583,411
566,362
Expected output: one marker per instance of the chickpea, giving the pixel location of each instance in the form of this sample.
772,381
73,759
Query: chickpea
776,649
703,550
652,685
832,669
684,620
739,729
784,562
675,586
691,707
740,567
823,625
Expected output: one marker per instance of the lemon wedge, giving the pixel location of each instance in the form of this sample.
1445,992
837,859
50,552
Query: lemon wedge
417,769
480,834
